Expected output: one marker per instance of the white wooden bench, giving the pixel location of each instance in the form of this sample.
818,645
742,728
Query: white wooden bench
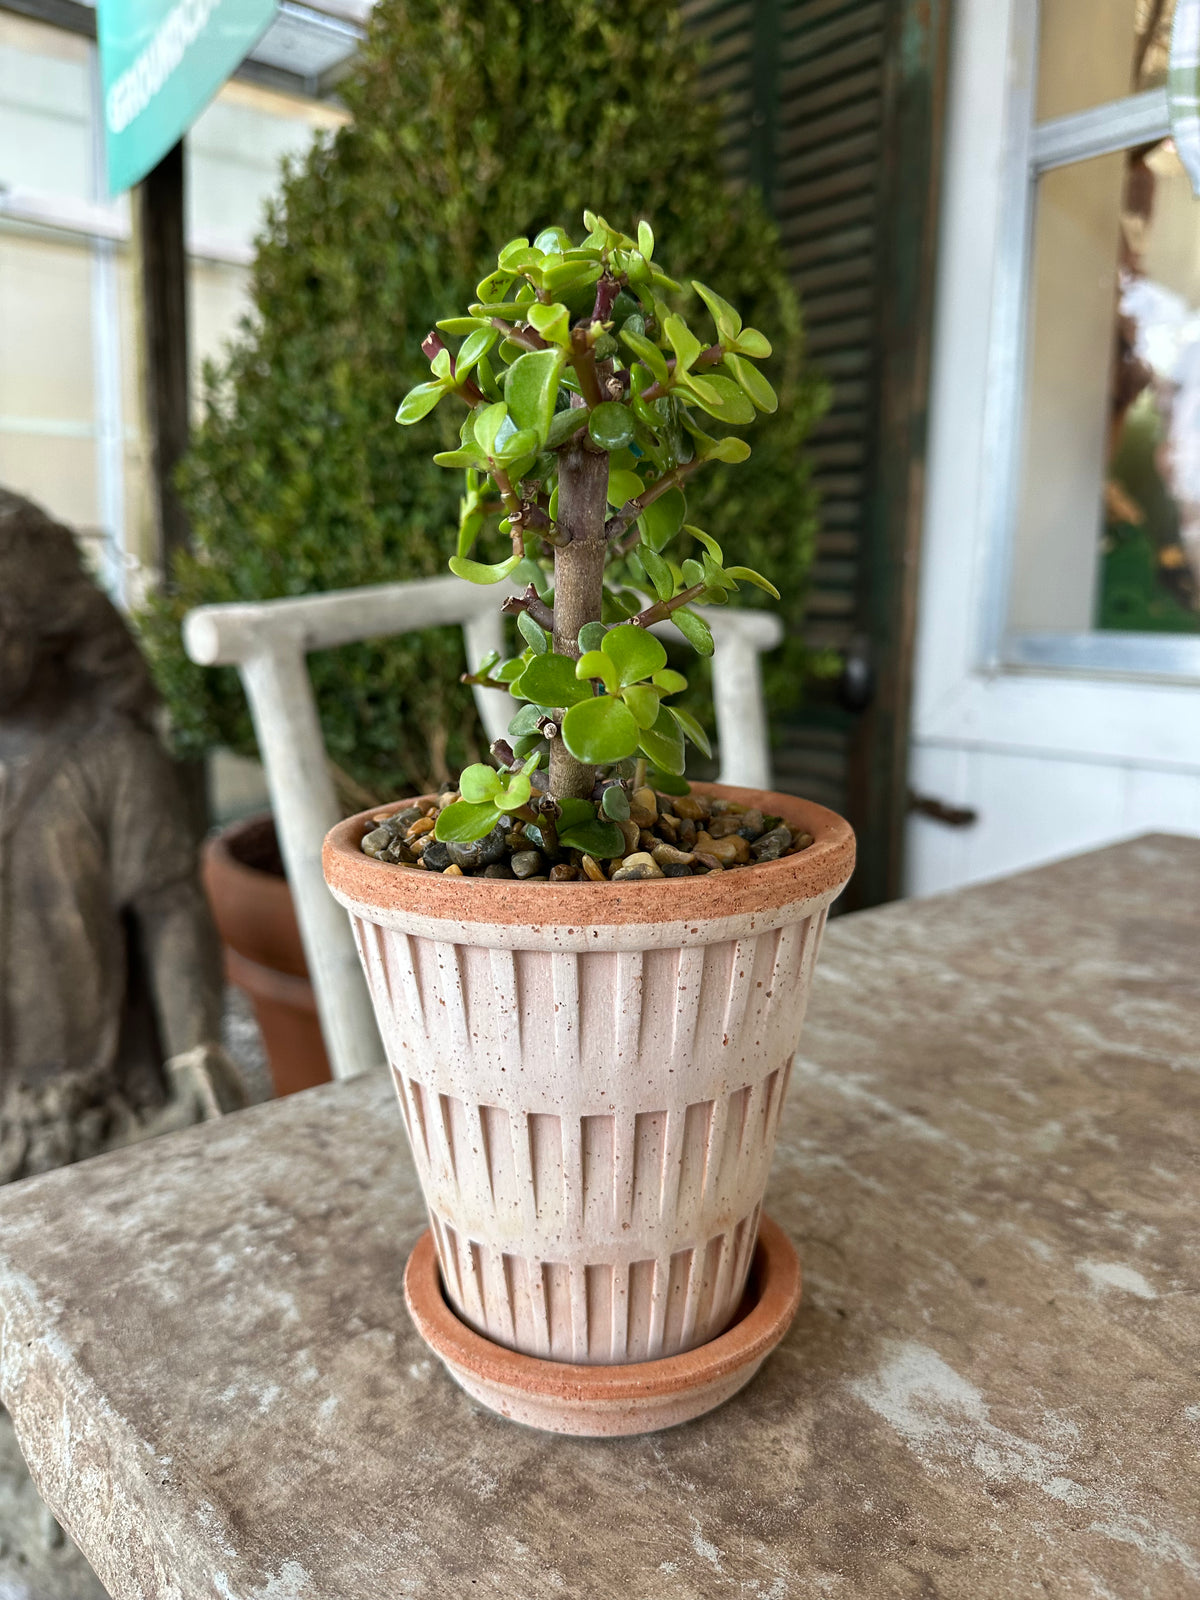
268,641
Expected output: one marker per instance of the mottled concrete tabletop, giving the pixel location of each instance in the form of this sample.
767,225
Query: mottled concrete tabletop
989,1163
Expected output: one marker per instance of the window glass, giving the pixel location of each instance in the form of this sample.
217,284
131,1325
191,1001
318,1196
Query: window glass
45,109
1093,51
1107,530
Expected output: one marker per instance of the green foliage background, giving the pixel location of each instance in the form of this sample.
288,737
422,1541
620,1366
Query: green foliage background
473,122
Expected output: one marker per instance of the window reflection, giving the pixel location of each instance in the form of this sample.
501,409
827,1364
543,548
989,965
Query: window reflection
1149,579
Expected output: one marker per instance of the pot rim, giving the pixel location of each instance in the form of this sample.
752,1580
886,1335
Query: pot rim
391,894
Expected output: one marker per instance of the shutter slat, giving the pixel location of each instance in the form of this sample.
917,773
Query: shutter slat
817,82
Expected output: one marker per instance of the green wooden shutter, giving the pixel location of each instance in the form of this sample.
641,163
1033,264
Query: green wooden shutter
801,83
834,109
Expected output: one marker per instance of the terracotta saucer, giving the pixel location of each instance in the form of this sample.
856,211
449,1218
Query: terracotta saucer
606,1401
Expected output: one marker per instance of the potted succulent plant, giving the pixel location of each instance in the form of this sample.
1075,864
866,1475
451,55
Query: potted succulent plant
590,976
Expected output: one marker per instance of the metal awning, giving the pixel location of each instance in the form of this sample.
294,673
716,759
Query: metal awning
304,51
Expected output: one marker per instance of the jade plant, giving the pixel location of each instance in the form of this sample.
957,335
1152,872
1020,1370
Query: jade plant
591,405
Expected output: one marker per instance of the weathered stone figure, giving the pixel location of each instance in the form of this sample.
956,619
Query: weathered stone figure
110,979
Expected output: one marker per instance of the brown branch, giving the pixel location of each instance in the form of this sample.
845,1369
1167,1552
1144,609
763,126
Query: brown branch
662,609
607,290
532,603
512,501
527,336
583,359
628,514
483,683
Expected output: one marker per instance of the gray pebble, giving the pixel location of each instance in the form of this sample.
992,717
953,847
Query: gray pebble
772,845
376,842
483,852
525,863
675,869
436,856
498,869
401,821
752,825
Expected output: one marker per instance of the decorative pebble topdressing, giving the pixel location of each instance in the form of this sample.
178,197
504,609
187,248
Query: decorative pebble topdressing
666,836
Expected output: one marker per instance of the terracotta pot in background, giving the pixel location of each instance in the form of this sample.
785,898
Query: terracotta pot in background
252,906
591,1075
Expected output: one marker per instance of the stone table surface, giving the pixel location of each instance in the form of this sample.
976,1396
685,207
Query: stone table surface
989,1163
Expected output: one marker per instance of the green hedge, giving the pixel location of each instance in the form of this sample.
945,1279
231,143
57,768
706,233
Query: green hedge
470,124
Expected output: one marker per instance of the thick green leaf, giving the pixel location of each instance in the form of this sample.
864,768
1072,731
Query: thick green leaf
600,839
694,629
526,721
591,636
645,238
563,424
659,573
684,343
746,575
611,425
479,783
707,540
670,681
553,241
537,637
731,449
635,653
419,402
647,352
753,382
514,449
595,664
668,783
728,321
614,802
643,702
553,322
463,823
662,519
550,680
531,389
623,485
526,743
479,572
516,793
599,730
731,405
572,811
571,275
489,420
460,327
752,343
474,345
467,456
691,728
510,671
663,743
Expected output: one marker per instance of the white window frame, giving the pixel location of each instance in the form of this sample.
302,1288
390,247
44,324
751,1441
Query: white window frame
965,695
1031,150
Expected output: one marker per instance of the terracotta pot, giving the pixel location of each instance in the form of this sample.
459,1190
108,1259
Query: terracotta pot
591,1075
252,907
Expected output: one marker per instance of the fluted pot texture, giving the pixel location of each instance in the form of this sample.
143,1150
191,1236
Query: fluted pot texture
591,1076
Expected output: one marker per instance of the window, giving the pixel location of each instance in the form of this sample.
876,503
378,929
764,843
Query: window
71,433
1097,422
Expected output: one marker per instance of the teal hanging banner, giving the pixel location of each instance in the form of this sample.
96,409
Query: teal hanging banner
161,62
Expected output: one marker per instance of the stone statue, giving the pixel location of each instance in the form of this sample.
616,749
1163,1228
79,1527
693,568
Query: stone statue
110,980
